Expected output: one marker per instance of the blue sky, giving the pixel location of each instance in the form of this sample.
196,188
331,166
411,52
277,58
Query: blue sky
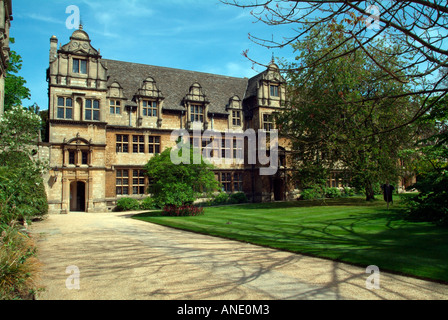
199,35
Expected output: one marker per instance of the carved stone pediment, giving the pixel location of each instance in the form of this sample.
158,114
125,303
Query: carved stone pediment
79,45
196,94
235,103
273,74
149,89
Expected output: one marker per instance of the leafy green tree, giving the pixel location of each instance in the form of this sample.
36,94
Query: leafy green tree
420,27
179,184
337,117
431,154
22,194
15,89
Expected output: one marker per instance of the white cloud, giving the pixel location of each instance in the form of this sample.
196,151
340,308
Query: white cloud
43,18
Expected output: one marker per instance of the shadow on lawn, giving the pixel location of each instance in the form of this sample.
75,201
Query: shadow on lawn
148,214
400,246
315,203
378,236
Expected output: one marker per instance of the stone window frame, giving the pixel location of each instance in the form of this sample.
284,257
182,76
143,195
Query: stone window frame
89,106
138,175
121,144
72,157
85,157
237,181
199,142
267,122
138,144
232,181
234,147
226,180
197,111
236,118
274,90
65,107
154,144
78,155
115,106
80,63
122,182
77,152
150,108
131,182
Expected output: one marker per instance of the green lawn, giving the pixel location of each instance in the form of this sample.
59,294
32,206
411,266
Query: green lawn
347,229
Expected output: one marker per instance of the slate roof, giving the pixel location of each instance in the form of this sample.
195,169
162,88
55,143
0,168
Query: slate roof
175,84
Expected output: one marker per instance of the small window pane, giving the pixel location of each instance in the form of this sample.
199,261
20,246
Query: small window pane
83,66
75,66
61,113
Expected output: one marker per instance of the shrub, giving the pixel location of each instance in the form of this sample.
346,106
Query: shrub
175,193
179,183
431,204
221,198
332,193
349,192
18,265
127,204
313,192
182,211
22,195
148,204
239,197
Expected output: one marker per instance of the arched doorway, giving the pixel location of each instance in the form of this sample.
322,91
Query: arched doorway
78,196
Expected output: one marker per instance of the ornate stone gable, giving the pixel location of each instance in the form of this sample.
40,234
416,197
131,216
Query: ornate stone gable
80,45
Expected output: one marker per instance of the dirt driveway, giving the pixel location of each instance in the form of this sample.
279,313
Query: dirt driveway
121,258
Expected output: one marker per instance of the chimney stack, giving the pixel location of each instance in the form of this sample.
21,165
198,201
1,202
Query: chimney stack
53,48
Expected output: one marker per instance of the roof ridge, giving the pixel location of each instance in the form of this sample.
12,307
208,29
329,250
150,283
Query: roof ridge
178,69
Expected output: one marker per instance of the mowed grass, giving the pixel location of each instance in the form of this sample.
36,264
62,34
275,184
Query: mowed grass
348,229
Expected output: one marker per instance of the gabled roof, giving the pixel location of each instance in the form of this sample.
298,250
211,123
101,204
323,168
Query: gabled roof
175,84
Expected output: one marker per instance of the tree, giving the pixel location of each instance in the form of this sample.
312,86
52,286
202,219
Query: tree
15,90
180,184
21,186
431,152
420,27
337,115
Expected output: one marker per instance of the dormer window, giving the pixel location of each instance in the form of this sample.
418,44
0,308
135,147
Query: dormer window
236,118
274,90
115,107
196,113
80,66
150,108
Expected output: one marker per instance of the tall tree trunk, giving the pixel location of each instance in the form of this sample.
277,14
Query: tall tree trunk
370,194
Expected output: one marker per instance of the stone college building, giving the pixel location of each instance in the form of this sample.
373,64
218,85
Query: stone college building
108,118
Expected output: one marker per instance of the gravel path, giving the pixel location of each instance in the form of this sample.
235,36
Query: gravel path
122,258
